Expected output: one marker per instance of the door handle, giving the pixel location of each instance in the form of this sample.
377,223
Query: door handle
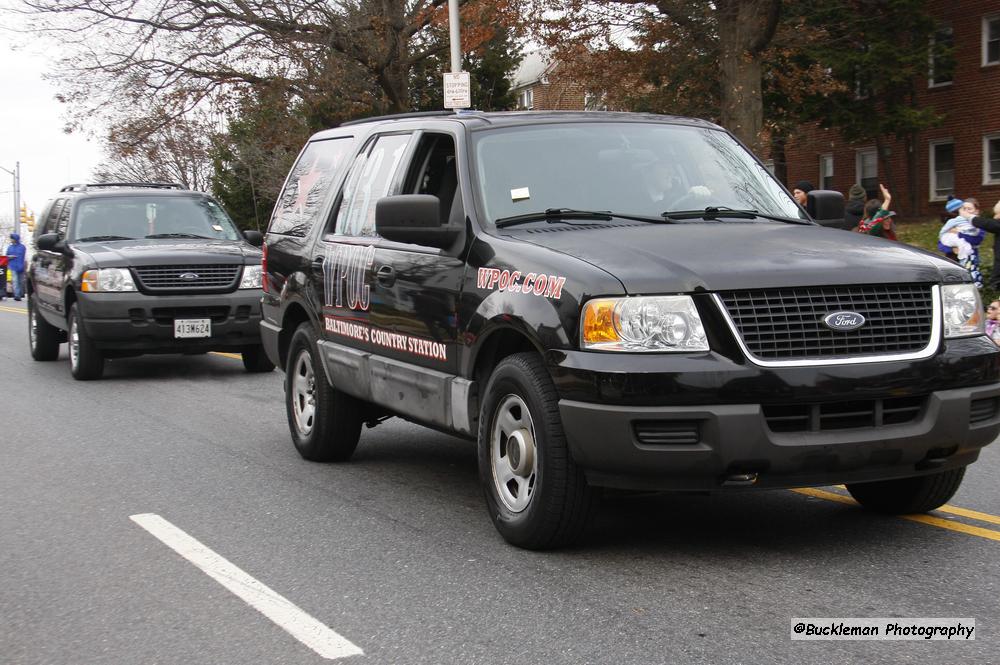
317,264
386,276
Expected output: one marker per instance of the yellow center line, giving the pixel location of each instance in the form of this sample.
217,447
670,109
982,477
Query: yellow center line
235,356
961,512
923,519
13,309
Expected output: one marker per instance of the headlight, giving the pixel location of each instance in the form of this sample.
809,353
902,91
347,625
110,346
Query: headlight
107,279
963,311
251,277
650,323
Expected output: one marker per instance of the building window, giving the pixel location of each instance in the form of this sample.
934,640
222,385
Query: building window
942,61
866,168
527,99
942,169
826,171
595,101
991,159
991,40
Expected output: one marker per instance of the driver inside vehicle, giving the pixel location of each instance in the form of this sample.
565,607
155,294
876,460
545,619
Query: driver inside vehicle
665,186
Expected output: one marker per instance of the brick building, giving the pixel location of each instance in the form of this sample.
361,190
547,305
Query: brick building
962,156
538,86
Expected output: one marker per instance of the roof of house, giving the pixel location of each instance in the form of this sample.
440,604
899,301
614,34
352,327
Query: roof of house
534,66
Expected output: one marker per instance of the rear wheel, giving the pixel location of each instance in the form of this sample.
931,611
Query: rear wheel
537,497
325,423
43,337
85,360
255,360
908,495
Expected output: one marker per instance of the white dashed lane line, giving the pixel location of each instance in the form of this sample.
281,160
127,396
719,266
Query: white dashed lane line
303,627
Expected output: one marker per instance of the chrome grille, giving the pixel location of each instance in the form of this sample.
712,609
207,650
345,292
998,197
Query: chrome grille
216,276
786,324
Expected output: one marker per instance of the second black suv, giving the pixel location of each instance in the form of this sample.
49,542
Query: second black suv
615,300
123,269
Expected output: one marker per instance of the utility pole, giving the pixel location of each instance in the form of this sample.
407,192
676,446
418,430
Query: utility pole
17,195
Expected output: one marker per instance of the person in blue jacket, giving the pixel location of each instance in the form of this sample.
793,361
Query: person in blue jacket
15,261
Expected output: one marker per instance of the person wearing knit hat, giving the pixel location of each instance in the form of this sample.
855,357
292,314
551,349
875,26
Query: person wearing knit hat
801,190
959,238
854,209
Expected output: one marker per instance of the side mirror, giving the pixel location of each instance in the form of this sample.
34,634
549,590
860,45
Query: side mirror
414,219
826,207
255,238
48,242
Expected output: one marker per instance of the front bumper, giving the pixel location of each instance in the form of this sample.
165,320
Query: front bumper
133,322
715,410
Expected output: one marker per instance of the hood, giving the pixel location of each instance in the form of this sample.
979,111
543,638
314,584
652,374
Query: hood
175,251
721,256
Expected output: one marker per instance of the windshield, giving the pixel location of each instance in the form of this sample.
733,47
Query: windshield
129,217
628,168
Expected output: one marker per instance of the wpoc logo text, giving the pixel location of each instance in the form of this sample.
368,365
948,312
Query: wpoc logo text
539,284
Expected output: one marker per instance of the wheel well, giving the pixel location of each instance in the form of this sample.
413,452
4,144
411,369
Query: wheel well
68,299
498,346
295,315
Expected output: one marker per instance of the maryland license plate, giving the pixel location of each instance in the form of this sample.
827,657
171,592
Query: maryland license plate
192,328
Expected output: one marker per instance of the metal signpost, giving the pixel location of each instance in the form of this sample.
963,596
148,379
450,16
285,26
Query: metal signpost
457,84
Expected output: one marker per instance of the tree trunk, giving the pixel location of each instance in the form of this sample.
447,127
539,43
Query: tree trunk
778,142
745,30
742,104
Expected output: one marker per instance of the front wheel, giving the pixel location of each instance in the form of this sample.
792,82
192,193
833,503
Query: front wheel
255,360
325,423
907,496
85,360
537,497
43,337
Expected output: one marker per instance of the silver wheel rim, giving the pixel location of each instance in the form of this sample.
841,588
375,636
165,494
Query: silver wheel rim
513,454
74,344
32,326
303,393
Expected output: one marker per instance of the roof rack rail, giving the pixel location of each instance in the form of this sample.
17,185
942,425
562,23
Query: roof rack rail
145,185
397,116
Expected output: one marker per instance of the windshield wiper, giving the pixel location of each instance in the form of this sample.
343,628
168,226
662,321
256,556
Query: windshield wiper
560,214
177,235
96,238
715,212
552,214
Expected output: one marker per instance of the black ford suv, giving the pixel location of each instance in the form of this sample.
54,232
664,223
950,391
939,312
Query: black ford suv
123,269
615,300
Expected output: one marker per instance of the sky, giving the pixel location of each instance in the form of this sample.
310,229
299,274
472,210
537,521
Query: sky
31,129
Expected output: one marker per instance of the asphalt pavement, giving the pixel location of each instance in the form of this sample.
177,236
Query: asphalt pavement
394,551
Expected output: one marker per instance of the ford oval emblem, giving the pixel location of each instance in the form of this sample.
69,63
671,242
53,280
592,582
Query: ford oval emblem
191,275
844,321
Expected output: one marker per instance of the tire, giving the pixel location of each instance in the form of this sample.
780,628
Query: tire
537,497
325,423
85,361
43,337
256,361
907,496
